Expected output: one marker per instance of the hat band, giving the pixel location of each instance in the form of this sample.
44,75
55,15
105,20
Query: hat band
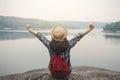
58,36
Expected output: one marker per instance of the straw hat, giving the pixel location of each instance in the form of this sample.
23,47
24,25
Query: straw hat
59,33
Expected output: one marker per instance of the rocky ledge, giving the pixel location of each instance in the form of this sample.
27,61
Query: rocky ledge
78,73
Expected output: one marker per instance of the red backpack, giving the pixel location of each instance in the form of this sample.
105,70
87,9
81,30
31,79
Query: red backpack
59,67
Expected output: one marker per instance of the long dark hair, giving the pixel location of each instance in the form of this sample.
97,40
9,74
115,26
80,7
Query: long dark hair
58,47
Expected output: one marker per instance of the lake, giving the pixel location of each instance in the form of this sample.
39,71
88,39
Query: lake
20,51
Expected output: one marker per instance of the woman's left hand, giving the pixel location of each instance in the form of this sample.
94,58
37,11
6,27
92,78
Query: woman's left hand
91,26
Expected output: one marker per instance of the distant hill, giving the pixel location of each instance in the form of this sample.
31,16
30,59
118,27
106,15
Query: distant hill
19,23
76,24
16,23
112,27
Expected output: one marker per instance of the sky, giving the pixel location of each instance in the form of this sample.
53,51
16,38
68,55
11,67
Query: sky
63,10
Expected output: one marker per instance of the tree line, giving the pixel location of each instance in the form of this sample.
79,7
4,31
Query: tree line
112,27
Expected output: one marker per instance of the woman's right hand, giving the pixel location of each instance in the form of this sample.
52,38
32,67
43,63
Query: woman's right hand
28,26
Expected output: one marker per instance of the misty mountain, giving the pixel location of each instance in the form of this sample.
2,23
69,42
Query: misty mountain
16,23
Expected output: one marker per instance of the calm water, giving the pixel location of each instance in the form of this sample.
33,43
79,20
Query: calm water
20,51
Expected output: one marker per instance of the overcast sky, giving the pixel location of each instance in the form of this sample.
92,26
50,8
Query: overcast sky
71,10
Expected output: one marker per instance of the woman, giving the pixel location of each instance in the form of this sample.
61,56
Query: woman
59,45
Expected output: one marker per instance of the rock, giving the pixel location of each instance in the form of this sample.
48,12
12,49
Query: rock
78,73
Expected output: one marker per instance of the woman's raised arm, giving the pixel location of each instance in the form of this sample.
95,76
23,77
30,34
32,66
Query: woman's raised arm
28,27
91,26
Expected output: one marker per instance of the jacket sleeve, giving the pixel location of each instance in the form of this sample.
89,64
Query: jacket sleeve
43,39
75,39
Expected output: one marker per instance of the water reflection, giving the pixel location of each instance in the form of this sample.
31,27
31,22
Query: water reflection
20,34
109,36
16,35
13,34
